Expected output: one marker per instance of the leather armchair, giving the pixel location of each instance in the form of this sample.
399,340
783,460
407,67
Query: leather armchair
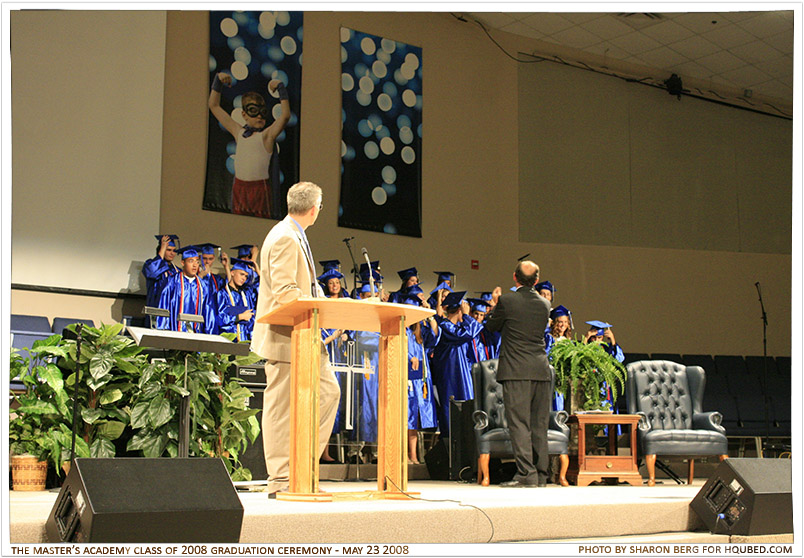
668,397
491,428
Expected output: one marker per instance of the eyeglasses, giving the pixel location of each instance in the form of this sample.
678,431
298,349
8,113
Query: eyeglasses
320,206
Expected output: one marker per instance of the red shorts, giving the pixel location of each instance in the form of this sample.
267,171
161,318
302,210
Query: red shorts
252,197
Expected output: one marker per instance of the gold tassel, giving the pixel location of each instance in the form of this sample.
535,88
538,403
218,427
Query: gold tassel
424,390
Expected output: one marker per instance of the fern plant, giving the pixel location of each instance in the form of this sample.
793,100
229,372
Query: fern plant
586,368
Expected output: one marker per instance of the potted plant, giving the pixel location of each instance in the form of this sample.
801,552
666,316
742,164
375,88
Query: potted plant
583,370
38,411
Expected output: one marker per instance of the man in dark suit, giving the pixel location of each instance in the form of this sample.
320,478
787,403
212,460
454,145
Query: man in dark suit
524,372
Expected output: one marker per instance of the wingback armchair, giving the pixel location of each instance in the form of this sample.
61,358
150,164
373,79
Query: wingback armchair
491,428
668,397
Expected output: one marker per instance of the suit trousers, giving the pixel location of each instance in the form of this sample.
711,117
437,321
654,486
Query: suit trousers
276,417
527,410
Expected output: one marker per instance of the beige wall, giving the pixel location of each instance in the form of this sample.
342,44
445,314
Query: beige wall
660,300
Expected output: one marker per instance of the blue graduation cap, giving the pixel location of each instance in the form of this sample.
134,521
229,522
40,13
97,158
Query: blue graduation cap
243,249
406,274
188,252
478,305
414,290
242,265
601,326
559,311
330,264
171,242
412,299
235,310
208,248
453,299
444,276
545,285
375,266
330,274
439,287
366,288
485,295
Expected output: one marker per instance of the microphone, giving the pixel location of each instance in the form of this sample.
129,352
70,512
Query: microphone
348,238
370,273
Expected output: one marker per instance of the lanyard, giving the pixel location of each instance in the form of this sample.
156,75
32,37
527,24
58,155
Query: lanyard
231,300
197,301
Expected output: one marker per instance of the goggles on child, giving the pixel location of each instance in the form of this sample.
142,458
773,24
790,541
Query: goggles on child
253,110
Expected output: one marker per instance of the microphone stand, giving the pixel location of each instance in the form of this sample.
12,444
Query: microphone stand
764,362
80,330
355,269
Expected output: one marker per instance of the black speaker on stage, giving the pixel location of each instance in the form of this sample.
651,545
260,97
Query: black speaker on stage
254,456
455,458
146,500
748,497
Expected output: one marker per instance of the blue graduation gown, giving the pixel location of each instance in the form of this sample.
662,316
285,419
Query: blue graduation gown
154,270
337,355
227,300
421,403
452,371
172,299
214,283
368,346
485,346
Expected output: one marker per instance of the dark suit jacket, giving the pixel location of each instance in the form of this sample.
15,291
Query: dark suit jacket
521,317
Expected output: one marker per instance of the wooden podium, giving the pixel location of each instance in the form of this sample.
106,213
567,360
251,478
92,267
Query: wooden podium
308,315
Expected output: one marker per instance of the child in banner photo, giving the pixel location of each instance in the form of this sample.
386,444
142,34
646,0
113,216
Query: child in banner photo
255,152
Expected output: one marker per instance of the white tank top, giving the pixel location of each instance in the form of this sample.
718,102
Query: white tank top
251,158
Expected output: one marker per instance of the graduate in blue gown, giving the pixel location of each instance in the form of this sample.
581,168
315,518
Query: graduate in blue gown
442,290
368,353
452,372
600,332
486,345
560,328
335,267
186,293
214,282
248,252
236,303
546,289
423,336
409,277
377,276
160,267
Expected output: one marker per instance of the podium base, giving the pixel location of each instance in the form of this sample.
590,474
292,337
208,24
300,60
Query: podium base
346,496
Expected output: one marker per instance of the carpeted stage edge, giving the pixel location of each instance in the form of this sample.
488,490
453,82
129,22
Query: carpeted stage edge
448,512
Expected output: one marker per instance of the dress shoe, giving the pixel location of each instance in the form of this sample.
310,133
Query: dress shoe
272,495
517,484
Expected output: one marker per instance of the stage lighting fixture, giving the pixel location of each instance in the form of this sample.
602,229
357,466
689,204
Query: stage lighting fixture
674,85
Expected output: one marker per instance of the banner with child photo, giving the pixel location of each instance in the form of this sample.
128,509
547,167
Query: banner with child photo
254,105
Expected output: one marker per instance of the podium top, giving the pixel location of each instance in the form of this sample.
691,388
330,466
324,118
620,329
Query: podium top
346,313
186,341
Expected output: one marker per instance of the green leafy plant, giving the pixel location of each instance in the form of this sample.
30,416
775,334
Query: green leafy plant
584,368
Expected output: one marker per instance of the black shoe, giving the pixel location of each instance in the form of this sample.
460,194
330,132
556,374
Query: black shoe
272,495
517,484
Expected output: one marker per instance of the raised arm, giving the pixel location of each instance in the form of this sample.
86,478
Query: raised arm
221,115
270,134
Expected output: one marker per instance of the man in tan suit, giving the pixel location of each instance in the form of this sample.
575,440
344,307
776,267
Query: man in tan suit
287,271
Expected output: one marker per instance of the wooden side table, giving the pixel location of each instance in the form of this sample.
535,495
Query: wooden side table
585,469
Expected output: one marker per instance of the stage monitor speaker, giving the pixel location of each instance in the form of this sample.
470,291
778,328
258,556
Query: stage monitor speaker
462,446
747,497
437,460
254,457
137,500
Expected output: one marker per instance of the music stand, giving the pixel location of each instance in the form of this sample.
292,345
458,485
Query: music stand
186,342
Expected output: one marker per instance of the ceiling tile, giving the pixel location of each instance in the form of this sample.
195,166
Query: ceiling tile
519,28
576,37
782,42
774,88
691,69
728,36
662,58
699,22
746,76
781,67
739,16
607,27
608,51
667,32
635,43
546,23
722,61
766,24
756,52
695,47
492,19
582,17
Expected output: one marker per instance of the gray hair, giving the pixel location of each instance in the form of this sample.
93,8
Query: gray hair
302,197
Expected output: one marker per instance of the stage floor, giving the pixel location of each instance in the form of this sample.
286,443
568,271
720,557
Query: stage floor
443,512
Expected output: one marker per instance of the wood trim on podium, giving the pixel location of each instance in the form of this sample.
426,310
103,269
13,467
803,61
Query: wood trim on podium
308,315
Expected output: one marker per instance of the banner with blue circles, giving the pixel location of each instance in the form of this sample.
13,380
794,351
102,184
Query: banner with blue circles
253,48
381,147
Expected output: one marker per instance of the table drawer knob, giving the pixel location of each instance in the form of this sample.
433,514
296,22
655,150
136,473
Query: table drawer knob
609,465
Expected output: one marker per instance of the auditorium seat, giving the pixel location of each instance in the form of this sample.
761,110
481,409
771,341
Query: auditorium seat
30,324
777,388
672,357
634,357
717,394
707,362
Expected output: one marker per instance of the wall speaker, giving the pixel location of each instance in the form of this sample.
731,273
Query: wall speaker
747,497
146,500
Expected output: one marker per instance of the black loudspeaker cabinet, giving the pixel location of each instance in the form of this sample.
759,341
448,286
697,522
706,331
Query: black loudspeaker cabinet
747,497
137,500
454,458
254,456
252,374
